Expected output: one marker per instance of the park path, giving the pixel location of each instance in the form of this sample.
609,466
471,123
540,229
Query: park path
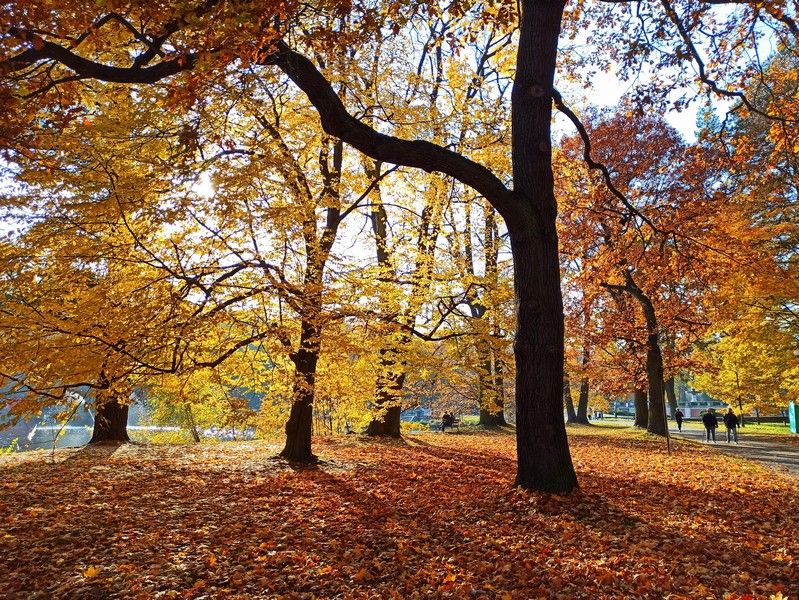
775,452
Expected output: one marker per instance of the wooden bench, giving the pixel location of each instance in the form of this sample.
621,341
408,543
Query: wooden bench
456,422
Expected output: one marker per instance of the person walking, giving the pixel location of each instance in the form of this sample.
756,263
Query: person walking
731,423
711,423
679,416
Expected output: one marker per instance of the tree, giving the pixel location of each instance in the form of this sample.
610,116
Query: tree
189,47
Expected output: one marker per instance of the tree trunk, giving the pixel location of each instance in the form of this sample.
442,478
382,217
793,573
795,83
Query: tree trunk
388,395
582,403
654,359
195,434
741,410
491,410
300,424
654,372
571,416
544,462
671,395
110,422
499,389
641,408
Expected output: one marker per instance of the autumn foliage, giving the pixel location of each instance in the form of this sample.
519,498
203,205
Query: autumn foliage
433,516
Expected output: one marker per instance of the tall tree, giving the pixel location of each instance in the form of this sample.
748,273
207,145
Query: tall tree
190,45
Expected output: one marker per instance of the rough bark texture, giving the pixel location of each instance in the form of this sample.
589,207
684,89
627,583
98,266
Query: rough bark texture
571,416
110,422
544,462
654,372
300,424
641,408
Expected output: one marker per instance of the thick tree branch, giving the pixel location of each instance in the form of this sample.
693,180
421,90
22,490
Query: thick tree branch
420,154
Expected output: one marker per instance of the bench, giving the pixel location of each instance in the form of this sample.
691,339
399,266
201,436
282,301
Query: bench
456,422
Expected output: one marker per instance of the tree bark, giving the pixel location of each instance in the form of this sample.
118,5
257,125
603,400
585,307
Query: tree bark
582,402
641,408
499,388
654,359
544,462
388,394
571,416
491,407
195,434
110,422
654,372
671,395
300,424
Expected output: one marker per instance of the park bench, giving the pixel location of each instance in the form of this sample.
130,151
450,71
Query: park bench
456,422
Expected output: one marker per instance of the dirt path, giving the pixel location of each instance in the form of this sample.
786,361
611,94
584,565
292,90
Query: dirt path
771,451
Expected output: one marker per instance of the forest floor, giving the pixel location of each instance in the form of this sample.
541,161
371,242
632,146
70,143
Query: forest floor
434,515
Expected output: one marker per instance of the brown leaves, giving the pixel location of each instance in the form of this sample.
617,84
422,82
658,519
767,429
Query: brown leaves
435,516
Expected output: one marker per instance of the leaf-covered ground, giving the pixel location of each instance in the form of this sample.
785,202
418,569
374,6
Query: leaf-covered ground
433,516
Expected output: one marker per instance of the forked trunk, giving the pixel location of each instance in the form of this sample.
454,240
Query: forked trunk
110,422
656,422
641,408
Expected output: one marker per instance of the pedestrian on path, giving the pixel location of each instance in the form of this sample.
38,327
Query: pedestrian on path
711,423
678,416
731,422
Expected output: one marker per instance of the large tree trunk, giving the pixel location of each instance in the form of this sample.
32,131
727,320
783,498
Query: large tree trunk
388,395
654,359
544,462
641,408
110,422
671,395
571,416
654,372
300,424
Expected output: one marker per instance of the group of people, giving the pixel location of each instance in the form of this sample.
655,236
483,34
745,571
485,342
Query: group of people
711,423
447,420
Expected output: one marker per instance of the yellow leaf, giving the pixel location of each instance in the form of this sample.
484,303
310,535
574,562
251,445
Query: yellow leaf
91,572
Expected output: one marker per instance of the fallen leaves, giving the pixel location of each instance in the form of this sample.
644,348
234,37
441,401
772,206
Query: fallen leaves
435,516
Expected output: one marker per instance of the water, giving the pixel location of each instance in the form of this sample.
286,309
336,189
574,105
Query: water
44,436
